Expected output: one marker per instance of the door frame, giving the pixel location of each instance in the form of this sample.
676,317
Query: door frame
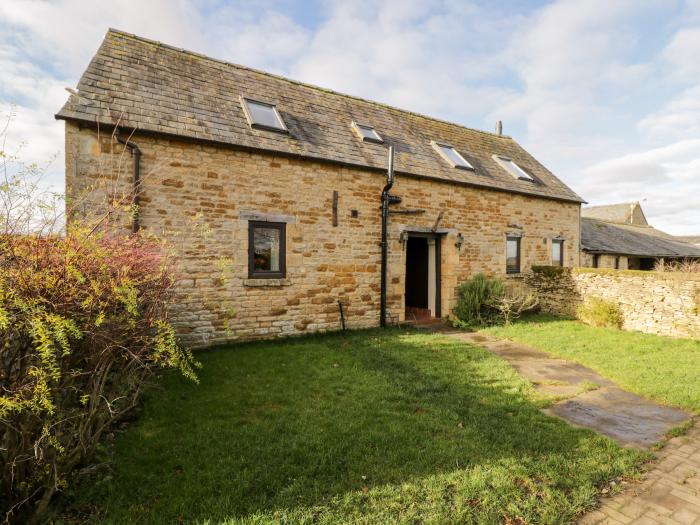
437,237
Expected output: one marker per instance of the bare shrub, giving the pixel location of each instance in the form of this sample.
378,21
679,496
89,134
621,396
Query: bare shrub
678,266
516,299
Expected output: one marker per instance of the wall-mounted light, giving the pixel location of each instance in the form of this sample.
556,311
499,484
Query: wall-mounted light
403,238
460,241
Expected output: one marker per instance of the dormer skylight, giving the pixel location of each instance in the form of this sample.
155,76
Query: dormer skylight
511,167
452,156
262,115
367,133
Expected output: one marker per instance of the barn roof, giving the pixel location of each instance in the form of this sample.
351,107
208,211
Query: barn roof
152,87
625,239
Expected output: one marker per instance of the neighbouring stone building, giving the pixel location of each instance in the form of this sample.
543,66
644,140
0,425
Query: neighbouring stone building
269,192
618,236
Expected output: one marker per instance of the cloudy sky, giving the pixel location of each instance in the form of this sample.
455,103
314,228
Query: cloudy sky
606,93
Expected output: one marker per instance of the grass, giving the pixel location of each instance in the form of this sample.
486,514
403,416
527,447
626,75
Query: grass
364,427
661,368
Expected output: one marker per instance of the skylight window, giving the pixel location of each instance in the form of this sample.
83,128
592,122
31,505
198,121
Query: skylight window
367,133
511,167
452,156
262,115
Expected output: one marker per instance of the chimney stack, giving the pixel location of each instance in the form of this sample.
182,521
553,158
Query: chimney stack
499,128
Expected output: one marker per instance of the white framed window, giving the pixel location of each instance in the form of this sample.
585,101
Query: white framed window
558,252
451,156
511,167
366,133
262,115
512,254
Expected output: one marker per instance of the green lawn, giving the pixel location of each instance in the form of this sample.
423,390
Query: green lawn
363,427
660,368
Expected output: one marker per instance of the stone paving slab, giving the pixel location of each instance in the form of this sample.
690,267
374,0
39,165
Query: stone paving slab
593,402
627,418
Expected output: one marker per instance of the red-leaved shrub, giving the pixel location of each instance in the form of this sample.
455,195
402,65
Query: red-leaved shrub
84,325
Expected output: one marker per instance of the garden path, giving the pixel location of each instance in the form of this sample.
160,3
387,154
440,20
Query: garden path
670,491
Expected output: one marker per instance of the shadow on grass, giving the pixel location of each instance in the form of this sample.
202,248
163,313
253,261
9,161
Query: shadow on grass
386,426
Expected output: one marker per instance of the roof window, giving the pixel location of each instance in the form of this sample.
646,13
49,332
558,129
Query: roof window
452,156
367,133
511,167
261,115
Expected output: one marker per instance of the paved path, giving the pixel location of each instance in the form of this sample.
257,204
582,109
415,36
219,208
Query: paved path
670,492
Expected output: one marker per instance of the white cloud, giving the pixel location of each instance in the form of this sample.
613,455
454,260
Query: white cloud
572,58
676,119
683,51
667,177
66,33
411,54
567,78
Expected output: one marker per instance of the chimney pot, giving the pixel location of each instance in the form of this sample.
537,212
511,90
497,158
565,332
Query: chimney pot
499,128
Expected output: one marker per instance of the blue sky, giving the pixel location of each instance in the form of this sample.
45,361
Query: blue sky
606,93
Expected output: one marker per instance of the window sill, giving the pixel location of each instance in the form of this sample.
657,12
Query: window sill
259,283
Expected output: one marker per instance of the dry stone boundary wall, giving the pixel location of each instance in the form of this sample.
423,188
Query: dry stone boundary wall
663,303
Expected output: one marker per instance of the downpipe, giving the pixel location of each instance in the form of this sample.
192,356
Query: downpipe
386,198
136,154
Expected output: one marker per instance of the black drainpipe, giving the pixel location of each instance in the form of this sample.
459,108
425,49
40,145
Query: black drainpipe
386,201
136,154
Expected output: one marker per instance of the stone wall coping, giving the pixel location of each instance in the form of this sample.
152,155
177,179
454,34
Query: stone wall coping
678,276
266,282
266,217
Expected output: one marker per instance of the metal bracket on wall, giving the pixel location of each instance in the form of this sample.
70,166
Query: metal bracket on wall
437,221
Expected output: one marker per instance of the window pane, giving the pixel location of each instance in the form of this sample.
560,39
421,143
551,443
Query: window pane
266,249
368,132
512,168
556,253
263,115
454,157
512,255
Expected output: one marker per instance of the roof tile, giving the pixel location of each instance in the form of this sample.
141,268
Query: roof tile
153,87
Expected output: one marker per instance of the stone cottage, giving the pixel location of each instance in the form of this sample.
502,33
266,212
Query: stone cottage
270,193
619,236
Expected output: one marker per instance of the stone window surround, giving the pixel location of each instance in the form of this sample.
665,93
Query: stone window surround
266,217
517,236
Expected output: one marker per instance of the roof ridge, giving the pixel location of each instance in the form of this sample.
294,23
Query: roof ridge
609,205
299,82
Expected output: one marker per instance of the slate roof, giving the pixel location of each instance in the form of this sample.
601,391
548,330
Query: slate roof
625,239
157,88
692,239
619,213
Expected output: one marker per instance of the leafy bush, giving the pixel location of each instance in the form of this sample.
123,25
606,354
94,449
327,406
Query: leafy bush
84,326
476,298
601,313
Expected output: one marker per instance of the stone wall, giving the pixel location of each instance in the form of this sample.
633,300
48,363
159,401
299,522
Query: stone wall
200,197
604,261
657,303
